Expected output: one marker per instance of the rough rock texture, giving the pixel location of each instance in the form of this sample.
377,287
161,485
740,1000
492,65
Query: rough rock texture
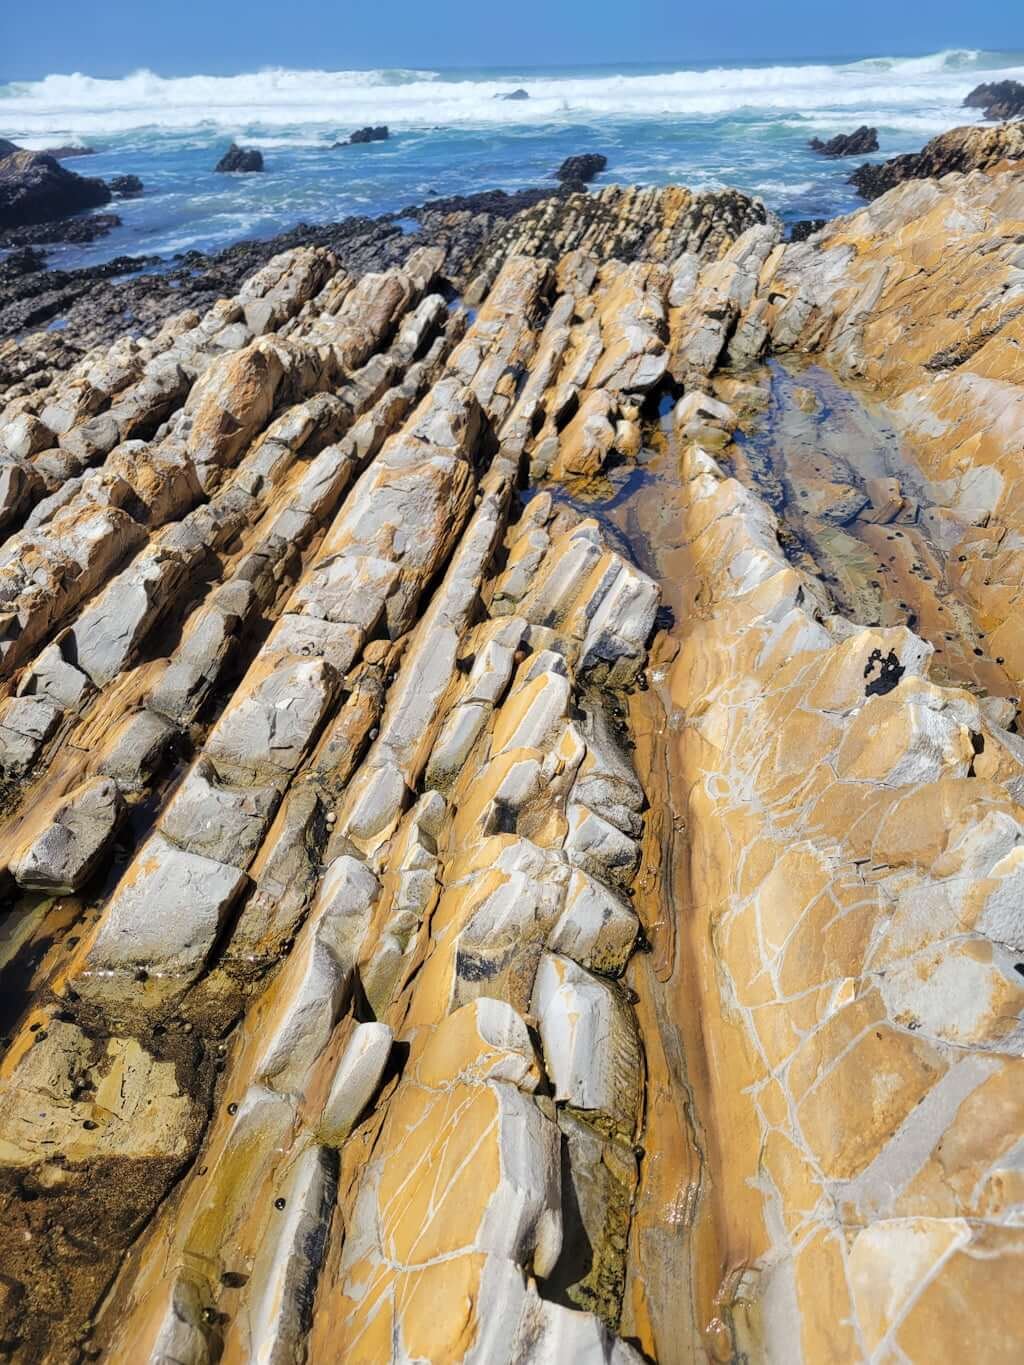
125,186
582,167
488,874
961,149
865,139
380,133
35,187
315,717
613,222
999,99
240,159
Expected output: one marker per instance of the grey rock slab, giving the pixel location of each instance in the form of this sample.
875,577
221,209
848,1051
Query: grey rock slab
311,637
591,1050
275,717
138,748
217,820
163,918
65,855
349,588
355,1081
26,723
282,1286
51,676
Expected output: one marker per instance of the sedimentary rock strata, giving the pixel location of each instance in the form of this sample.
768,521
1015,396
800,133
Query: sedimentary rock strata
961,149
313,740
510,829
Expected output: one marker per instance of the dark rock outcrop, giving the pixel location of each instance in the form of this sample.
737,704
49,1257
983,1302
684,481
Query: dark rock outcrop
125,186
6,147
35,188
999,99
26,261
864,140
78,231
581,168
379,134
961,149
519,94
65,153
240,160
805,228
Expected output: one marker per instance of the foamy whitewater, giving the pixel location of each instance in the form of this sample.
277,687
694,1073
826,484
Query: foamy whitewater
703,126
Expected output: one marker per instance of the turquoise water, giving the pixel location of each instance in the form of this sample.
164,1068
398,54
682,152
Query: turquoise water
703,126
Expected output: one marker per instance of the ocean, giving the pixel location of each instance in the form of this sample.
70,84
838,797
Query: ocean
705,126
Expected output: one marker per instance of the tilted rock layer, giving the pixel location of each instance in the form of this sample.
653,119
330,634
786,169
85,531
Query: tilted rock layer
428,937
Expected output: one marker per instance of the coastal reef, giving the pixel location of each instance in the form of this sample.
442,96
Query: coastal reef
511,844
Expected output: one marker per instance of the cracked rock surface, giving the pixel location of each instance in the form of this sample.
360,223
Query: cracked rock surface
510,846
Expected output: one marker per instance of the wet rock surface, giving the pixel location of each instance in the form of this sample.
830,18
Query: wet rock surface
865,139
510,786
961,149
999,99
240,160
35,187
379,133
581,168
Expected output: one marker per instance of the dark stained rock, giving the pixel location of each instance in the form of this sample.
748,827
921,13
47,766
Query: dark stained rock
513,95
805,228
368,134
125,186
240,160
999,99
961,149
25,261
6,147
35,188
583,167
65,153
75,230
864,140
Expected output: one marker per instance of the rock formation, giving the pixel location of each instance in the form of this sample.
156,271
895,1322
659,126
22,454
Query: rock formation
999,99
125,186
961,149
581,168
511,793
369,134
519,94
240,160
865,139
34,187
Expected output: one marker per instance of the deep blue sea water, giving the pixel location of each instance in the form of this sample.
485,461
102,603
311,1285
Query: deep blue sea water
702,126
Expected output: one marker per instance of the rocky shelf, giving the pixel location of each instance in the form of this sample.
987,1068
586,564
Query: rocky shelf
511,847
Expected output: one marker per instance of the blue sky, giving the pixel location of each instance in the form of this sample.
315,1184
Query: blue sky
178,37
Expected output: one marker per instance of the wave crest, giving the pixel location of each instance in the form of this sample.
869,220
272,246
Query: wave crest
84,106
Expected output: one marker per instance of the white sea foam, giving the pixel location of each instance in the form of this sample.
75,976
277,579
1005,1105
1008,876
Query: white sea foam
272,100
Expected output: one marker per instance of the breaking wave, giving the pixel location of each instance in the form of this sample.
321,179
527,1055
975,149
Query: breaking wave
85,106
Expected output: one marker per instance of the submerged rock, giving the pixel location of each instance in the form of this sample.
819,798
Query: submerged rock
519,94
381,133
240,160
